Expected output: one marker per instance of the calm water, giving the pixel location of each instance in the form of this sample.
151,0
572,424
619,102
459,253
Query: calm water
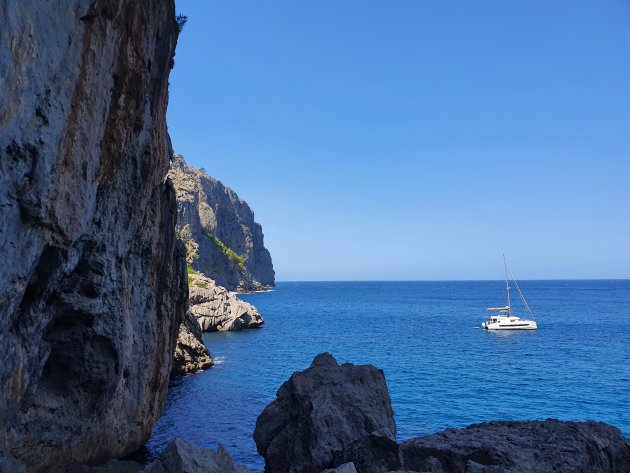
442,369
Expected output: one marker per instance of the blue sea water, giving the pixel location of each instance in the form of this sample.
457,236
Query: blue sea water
441,368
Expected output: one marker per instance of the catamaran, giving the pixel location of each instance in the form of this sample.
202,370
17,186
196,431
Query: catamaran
503,318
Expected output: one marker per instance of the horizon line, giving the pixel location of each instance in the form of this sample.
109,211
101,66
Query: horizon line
447,280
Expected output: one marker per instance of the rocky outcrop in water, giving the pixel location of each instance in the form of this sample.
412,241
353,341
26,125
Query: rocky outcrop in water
339,418
212,308
522,447
222,238
93,285
181,457
191,353
324,415
217,310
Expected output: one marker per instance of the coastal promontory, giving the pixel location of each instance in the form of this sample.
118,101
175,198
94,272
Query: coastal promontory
223,240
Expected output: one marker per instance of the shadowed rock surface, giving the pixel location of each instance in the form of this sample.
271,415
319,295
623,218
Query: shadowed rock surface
222,239
320,412
191,353
345,468
522,447
339,418
217,310
93,285
181,457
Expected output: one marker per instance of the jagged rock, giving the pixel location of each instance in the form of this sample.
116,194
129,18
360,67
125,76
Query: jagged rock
374,453
320,412
93,284
522,447
223,240
191,353
181,457
345,468
218,310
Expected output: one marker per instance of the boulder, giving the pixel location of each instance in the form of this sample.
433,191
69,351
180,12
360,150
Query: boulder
191,353
216,309
374,453
521,447
181,457
325,416
345,468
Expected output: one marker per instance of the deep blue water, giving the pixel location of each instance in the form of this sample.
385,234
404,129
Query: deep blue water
442,369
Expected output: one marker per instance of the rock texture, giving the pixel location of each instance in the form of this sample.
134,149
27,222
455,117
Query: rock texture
522,447
217,310
222,238
324,411
345,468
332,418
93,285
181,457
191,353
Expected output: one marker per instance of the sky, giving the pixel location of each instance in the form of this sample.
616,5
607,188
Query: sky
415,140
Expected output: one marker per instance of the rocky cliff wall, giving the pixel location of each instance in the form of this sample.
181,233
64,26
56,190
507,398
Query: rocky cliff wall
222,238
93,285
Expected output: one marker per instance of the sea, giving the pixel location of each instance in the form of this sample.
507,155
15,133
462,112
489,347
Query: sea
441,368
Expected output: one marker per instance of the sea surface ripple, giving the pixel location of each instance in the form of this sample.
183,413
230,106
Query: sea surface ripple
442,369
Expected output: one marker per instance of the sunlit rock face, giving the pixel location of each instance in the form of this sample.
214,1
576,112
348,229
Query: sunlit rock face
218,310
223,240
93,285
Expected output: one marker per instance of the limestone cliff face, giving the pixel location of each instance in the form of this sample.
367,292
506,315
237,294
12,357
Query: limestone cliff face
222,238
93,283
216,310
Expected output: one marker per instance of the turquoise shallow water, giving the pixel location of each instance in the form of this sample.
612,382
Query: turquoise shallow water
442,369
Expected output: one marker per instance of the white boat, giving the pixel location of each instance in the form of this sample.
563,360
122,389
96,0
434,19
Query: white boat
504,319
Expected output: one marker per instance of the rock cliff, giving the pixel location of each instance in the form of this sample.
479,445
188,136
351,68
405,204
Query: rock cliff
222,238
216,310
93,285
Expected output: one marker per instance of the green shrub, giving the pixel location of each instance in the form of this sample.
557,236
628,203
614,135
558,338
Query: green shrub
229,253
191,270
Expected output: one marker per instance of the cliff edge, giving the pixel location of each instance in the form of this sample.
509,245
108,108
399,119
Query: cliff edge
222,239
93,287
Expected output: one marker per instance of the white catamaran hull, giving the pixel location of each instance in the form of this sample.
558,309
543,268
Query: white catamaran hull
510,325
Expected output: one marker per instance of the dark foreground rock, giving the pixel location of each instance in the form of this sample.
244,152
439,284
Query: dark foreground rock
339,419
325,416
93,282
181,457
522,447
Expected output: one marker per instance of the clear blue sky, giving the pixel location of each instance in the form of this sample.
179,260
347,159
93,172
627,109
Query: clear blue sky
416,139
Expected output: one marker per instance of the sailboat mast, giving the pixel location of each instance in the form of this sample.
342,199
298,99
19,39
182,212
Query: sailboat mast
507,286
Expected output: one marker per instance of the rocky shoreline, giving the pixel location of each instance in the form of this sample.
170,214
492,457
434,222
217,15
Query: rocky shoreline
212,308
